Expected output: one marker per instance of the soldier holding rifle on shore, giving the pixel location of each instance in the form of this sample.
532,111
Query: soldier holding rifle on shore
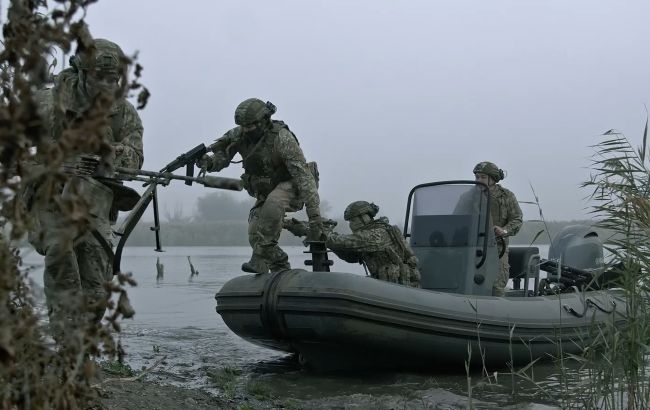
86,112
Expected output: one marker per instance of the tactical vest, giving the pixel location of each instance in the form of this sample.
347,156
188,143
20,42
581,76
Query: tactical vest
263,165
401,257
112,132
403,253
53,101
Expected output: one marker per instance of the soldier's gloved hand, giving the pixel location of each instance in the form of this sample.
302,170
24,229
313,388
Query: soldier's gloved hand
296,227
328,226
205,162
315,230
118,148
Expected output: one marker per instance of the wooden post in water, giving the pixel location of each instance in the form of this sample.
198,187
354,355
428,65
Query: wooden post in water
160,269
193,272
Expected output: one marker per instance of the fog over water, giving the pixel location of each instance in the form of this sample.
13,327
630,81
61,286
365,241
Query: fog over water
385,95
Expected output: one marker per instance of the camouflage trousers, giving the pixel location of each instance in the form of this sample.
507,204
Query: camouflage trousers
265,226
413,275
389,273
75,276
77,264
498,289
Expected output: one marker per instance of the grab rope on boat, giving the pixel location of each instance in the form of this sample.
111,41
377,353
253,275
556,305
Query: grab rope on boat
587,304
602,309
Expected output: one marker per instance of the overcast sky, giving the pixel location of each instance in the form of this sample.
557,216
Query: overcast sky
387,94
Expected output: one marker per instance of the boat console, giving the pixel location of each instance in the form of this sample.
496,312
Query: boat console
449,230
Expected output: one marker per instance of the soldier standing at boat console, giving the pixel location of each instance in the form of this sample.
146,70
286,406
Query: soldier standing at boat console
275,174
506,217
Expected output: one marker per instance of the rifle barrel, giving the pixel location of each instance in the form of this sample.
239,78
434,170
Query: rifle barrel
231,184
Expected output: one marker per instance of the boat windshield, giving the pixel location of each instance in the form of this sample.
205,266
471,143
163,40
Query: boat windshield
448,215
450,236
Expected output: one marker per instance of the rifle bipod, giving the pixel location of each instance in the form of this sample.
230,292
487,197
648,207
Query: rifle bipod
156,219
319,261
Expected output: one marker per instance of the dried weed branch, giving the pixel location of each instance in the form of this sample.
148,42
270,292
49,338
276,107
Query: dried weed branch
32,373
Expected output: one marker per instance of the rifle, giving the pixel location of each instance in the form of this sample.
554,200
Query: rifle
153,179
164,178
187,159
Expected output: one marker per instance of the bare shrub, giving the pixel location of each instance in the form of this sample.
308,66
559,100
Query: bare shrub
32,373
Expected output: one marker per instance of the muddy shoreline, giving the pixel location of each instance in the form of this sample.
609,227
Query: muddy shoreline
119,394
149,395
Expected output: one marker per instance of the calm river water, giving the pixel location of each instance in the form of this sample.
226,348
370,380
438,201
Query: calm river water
176,318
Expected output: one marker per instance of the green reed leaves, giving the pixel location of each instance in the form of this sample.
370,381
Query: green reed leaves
619,189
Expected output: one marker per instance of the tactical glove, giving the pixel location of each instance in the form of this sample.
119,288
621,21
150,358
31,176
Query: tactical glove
315,230
118,148
328,226
296,227
205,162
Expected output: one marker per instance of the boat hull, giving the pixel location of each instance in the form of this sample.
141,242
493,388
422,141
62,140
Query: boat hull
335,320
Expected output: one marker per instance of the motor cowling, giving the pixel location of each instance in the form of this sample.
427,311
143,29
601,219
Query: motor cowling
580,247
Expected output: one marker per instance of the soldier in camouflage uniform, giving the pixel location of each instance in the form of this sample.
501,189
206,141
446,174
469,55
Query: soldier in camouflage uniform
506,217
87,98
275,174
375,243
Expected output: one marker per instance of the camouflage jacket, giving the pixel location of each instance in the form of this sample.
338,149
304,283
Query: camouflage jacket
275,158
64,104
61,108
385,254
505,210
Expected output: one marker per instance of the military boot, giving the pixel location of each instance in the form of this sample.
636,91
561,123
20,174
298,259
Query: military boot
277,259
255,265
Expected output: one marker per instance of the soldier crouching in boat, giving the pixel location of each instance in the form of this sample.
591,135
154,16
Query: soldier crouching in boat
375,243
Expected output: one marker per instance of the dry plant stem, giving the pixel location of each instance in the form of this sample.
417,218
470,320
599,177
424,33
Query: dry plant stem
32,375
133,378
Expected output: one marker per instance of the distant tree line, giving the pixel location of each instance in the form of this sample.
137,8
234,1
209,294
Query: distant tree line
222,220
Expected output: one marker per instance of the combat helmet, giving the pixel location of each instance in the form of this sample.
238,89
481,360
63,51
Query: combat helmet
253,110
490,169
103,55
358,208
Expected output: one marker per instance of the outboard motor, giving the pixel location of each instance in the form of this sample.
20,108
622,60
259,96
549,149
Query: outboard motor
579,247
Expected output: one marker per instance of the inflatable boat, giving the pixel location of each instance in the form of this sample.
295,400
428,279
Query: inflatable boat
337,319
